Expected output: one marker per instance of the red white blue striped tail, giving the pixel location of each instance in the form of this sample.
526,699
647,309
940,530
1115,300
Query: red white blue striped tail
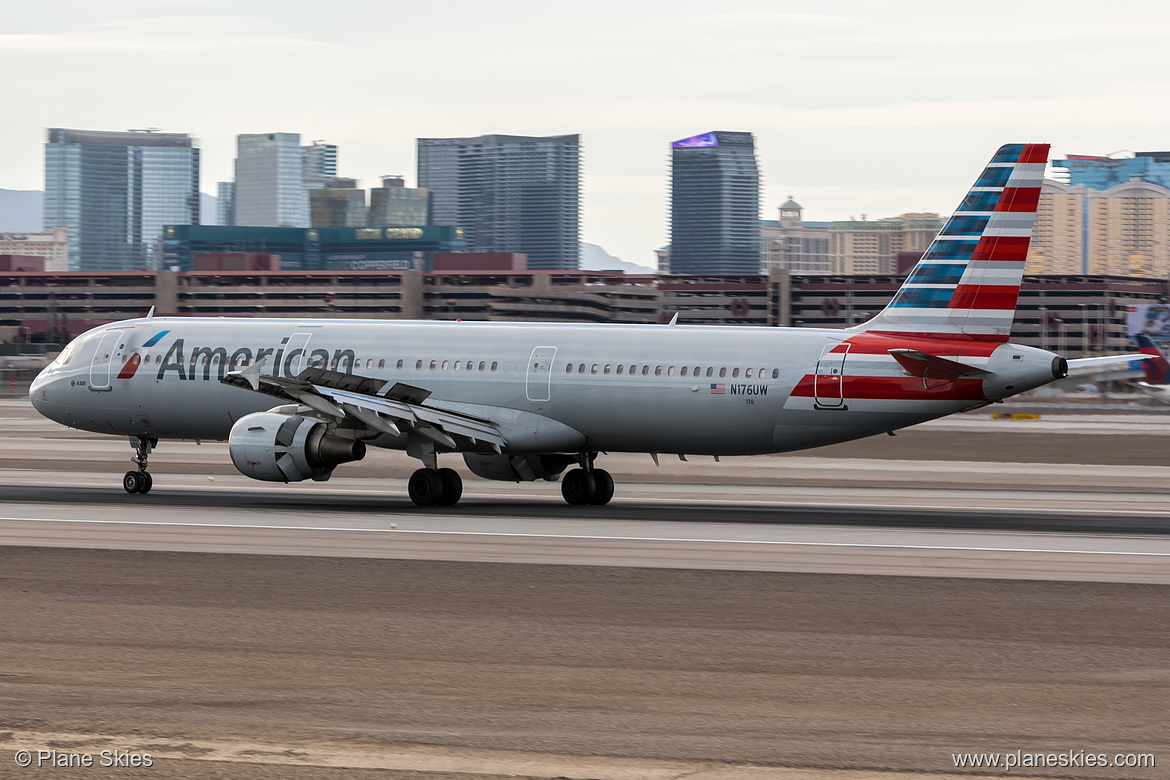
969,279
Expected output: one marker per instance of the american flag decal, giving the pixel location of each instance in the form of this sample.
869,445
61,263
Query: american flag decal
719,389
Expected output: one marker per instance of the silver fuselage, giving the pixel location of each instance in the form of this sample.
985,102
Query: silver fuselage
691,390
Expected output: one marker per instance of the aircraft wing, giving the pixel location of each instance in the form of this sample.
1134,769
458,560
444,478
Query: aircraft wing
1089,365
395,410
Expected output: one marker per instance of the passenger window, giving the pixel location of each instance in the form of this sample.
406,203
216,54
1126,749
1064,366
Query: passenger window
747,374
481,365
593,370
568,368
469,365
369,362
734,373
434,365
645,370
620,368
418,366
606,369
658,371
633,370
581,368
683,371
670,371
445,364
775,373
456,365
399,364
494,364
723,372
381,364
710,370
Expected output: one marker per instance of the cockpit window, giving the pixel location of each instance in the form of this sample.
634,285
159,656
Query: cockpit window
66,355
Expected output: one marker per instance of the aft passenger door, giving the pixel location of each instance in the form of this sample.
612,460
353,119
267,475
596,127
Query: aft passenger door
538,383
104,355
829,380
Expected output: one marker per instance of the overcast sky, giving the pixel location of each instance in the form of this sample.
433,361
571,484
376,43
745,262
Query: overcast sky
857,107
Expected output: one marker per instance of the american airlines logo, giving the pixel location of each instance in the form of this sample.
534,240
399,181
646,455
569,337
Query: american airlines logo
187,365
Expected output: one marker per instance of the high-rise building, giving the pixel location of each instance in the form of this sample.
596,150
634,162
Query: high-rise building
715,204
270,181
794,245
1123,230
225,203
319,160
53,246
396,205
509,193
338,204
1101,173
872,246
115,191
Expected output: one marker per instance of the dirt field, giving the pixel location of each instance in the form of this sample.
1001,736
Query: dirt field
254,666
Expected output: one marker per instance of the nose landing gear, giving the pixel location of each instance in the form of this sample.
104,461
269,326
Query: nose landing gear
140,481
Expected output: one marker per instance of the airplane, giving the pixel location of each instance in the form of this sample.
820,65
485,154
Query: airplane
1157,369
296,398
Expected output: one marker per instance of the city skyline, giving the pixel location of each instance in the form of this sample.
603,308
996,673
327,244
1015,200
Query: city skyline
839,100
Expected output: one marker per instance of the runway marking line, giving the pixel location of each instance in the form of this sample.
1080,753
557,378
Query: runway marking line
585,537
780,504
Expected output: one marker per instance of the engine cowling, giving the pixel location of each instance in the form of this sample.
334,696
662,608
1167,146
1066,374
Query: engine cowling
289,447
517,468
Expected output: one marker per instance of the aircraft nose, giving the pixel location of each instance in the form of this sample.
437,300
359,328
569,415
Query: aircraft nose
42,395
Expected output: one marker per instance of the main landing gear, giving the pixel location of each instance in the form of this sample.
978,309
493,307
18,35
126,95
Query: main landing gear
431,487
587,485
140,481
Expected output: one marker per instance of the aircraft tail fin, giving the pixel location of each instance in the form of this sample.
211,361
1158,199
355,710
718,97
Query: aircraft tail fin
1157,368
968,281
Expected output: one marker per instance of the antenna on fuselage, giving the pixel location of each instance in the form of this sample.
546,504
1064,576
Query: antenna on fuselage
674,319
150,313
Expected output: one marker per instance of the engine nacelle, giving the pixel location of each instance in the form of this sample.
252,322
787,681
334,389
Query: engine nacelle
289,447
517,468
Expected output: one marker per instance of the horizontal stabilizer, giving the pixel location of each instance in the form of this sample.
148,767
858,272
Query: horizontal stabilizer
929,366
1102,363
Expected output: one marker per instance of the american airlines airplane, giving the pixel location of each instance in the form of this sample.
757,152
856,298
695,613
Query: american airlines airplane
297,398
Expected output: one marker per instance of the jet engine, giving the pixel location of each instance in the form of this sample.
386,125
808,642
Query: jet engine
517,468
289,447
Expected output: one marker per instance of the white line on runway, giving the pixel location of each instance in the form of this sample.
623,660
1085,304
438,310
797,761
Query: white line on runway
577,537
780,502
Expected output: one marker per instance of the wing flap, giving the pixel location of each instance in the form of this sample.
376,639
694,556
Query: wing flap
349,396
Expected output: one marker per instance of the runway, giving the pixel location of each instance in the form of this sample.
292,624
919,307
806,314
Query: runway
717,621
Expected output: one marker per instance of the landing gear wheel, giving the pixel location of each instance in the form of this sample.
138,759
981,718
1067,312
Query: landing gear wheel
132,482
604,487
425,487
578,487
452,487
146,482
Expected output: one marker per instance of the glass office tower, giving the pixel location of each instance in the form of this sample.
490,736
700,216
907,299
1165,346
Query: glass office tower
715,205
270,184
115,191
509,193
